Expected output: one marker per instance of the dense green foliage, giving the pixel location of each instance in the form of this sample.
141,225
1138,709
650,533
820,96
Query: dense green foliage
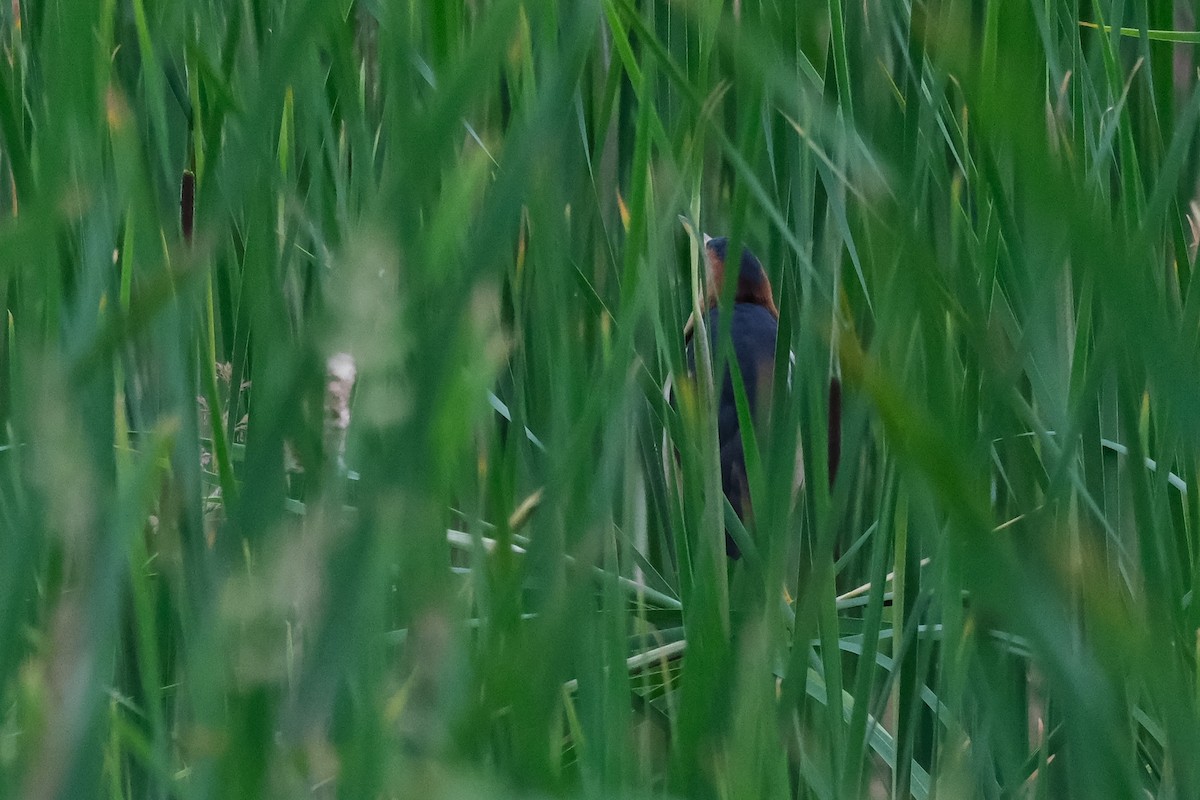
506,574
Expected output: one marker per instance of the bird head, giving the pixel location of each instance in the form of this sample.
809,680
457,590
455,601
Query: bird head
752,283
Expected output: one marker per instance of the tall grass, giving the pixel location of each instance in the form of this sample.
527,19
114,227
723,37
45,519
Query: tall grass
496,566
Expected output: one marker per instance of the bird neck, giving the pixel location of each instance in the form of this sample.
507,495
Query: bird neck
753,295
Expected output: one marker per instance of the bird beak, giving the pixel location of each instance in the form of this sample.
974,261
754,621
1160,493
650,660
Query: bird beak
707,239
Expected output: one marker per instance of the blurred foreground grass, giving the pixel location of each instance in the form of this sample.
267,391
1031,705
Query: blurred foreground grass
481,572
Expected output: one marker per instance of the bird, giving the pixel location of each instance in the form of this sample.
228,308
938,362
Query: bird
753,330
